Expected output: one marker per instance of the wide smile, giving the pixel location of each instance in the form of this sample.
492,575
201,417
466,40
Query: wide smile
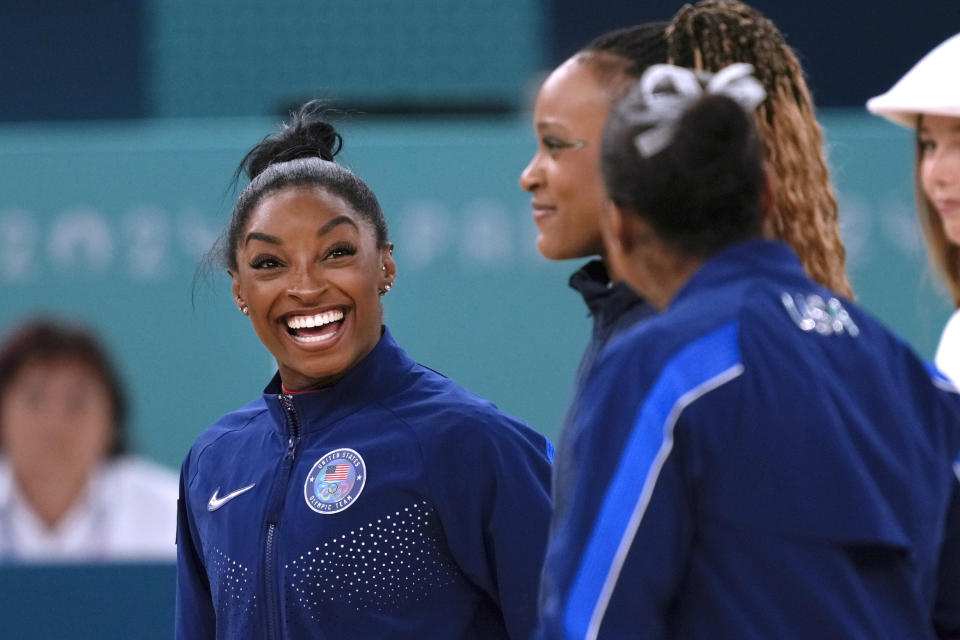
315,329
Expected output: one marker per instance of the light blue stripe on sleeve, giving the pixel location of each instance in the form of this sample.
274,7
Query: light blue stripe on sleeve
701,366
939,378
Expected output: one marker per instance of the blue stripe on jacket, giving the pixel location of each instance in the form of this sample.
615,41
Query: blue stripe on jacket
698,368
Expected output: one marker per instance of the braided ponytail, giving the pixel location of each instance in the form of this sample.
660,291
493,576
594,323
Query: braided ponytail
715,33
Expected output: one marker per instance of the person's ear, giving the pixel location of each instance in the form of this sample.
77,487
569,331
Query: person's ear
237,296
626,228
388,269
616,225
609,227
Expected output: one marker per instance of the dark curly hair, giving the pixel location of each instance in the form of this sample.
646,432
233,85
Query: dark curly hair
300,153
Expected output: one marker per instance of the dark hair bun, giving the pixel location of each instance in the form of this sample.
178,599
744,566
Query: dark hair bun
305,135
701,192
712,133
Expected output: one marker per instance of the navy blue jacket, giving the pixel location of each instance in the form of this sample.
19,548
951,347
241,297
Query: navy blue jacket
614,306
393,504
762,460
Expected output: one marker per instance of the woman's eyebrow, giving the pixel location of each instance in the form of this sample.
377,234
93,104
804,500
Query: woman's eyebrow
256,235
336,222
265,237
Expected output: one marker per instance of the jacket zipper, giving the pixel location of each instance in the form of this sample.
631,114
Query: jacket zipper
272,613
270,551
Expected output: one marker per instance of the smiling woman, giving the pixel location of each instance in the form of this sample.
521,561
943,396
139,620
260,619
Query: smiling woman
927,100
362,494
310,273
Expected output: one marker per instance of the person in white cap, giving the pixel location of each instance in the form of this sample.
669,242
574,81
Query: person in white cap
927,99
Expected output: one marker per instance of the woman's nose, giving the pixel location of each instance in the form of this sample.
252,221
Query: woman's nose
947,166
307,282
530,178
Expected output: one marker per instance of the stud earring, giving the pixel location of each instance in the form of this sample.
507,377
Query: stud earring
245,310
383,267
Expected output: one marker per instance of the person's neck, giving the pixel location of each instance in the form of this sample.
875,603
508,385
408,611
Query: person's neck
660,272
51,494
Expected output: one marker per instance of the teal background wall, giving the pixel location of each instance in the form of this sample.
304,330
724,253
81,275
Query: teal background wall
248,57
114,601
107,223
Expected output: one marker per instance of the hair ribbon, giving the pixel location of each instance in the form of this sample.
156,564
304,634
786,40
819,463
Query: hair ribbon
667,91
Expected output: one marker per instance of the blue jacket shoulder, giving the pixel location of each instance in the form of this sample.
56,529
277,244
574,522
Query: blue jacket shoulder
226,424
437,409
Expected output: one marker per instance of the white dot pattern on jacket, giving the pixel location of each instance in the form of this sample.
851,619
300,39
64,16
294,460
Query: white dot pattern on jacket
234,581
396,559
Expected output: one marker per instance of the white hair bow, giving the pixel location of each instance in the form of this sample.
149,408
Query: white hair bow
667,91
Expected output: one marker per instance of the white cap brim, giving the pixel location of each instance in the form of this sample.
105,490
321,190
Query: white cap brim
932,87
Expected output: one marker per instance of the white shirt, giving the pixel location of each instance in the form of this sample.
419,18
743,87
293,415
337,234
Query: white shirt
128,512
948,351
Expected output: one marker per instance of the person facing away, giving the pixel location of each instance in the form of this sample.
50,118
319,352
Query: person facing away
362,495
575,100
69,488
762,459
567,187
927,99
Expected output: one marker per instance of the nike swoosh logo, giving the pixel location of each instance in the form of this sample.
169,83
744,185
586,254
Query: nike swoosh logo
216,502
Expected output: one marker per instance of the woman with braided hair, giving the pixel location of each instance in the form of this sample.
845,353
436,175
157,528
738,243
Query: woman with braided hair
574,101
715,33
760,459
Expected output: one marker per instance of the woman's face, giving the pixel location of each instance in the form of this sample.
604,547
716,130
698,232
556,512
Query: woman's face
56,416
939,138
309,270
564,175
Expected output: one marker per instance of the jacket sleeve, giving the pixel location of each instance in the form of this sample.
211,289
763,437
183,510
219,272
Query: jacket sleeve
194,617
491,485
622,533
946,613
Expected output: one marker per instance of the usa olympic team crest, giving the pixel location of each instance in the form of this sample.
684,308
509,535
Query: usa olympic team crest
335,481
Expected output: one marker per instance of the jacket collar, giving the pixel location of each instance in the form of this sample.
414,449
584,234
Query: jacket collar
606,300
380,374
752,258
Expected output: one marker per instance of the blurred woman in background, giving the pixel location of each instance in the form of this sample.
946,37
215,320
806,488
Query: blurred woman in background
927,99
68,488
564,176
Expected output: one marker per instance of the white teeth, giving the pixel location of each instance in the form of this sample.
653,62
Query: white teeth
318,320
